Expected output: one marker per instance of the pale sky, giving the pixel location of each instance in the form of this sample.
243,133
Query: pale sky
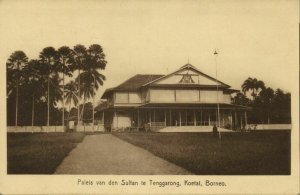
254,38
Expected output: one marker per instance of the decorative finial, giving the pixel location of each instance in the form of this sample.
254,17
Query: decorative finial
215,53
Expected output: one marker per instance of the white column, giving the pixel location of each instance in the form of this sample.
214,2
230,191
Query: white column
179,118
208,119
241,121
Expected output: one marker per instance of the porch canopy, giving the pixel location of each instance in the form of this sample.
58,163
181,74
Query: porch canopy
222,106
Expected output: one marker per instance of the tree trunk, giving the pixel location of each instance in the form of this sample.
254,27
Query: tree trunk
32,112
63,101
82,109
48,99
17,97
78,105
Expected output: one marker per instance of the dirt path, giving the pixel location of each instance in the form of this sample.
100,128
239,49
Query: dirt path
108,155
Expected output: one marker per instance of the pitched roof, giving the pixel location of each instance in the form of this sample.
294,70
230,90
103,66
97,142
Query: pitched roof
137,81
133,83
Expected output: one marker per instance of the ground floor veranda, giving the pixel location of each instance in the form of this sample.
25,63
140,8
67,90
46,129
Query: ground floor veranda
156,117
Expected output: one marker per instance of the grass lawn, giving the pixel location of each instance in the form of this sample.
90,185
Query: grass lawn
254,153
38,153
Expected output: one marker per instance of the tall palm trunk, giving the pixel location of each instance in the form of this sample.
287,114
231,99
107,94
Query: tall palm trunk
17,97
32,112
63,101
81,115
48,99
78,105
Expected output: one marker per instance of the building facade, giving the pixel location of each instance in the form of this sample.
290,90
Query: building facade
186,97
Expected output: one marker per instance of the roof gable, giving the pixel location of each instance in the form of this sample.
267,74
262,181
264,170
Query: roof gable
187,75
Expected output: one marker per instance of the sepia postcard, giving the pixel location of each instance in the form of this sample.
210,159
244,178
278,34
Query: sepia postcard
149,97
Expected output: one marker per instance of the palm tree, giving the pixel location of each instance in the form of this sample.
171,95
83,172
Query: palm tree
266,96
90,77
71,97
254,85
80,54
34,83
14,65
48,57
64,66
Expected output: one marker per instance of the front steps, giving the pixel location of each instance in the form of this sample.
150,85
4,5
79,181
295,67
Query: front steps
191,129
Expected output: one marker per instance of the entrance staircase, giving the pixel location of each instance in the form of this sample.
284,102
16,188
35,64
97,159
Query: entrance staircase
191,129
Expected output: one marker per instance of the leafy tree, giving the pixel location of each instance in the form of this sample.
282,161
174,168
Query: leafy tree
252,84
90,78
48,58
80,55
241,99
70,94
64,66
33,86
14,65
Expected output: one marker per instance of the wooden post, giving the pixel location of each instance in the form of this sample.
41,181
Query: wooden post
201,118
186,122
117,119
138,119
194,118
231,119
235,120
165,118
223,120
170,118
179,118
241,121
103,117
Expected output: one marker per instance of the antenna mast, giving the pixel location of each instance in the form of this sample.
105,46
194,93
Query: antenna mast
218,106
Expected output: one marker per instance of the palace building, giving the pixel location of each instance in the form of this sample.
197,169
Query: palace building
186,99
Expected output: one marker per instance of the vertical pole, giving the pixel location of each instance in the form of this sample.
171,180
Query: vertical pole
223,119
170,118
231,119
241,121
103,118
17,96
48,98
194,118
186,122
218,106
208,119
138,119
235,120
32,114
201,118
165,118
246,122
63,102
94,105
179,118
78,97
154,116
